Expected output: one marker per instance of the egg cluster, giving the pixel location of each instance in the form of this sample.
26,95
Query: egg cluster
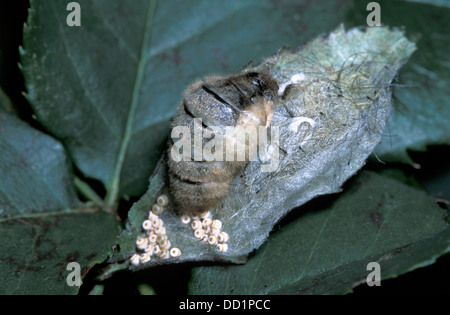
208,230
155,240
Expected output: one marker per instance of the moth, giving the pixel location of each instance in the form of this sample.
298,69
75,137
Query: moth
197,181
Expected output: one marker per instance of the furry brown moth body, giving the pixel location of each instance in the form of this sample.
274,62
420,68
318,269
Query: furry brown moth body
244,100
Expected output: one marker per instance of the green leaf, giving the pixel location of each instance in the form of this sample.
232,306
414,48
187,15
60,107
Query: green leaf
34,171
107,89
36,249
43,225
326,251
5,103
97,290
421,97
145,289
441,3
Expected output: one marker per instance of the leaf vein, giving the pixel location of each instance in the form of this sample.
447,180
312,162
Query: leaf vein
113,190
122,42
81,80
315,244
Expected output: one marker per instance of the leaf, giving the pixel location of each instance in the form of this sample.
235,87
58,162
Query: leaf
97,290
37,249
441,3
107,89
43,225
5,103
34,171
326,251
421,97
348,123
439,185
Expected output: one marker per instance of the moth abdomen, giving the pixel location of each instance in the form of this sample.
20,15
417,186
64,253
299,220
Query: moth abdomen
201,178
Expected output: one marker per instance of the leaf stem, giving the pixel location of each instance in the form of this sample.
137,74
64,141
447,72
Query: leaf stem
88,192
113,191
